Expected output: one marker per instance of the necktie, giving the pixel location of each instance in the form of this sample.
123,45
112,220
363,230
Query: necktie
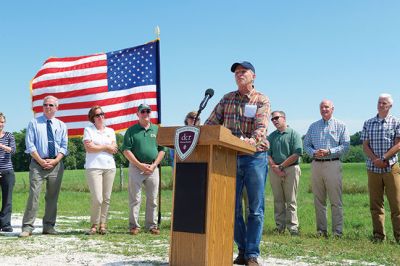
50,139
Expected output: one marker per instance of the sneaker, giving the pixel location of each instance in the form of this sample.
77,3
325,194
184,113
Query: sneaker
252,261
154,231
25,234
240,260
134,231
50,231
321,233
7,228
294,232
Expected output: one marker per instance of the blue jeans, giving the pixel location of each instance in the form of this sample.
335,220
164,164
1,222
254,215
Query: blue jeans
252,173
7,182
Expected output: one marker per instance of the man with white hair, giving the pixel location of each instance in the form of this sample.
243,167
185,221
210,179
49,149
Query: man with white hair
326,140
381,143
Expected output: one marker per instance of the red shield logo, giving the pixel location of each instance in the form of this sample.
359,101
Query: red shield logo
186,140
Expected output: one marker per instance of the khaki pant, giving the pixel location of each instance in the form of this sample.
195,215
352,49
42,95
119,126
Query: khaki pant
100,182
377,185
285,198
327,181
53,178
151,183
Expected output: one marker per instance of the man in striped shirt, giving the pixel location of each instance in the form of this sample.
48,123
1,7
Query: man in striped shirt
381,143
246,112
326,140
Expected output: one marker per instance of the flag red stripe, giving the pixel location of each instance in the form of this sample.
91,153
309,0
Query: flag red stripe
116,100
68,81
51,70
70,94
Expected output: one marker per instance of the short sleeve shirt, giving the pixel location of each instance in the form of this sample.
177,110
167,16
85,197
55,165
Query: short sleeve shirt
99,160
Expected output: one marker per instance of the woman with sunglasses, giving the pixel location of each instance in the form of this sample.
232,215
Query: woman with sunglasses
100,145
7,177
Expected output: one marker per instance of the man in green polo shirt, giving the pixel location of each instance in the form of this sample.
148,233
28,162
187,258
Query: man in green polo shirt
144,154
285,150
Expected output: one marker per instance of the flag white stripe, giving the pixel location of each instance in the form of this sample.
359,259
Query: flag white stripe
72,87
71,74
61,64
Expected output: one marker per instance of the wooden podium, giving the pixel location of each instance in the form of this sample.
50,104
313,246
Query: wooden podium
202,220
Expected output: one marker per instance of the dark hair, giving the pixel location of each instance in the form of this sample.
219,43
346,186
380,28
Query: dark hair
3,116
92,112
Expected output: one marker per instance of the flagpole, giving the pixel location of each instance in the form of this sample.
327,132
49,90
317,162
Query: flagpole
157,32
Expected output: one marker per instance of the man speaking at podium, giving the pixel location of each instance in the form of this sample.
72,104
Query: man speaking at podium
246,113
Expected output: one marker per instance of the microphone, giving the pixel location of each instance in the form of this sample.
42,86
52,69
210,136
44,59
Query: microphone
207,96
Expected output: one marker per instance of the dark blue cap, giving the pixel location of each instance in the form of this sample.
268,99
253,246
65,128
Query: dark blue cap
244,64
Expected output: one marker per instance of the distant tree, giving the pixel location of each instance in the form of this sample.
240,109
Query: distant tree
356,139
354,155
20,159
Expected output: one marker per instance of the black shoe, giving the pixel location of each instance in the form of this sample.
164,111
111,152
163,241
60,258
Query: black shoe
7,228
50,231
240,260
322,234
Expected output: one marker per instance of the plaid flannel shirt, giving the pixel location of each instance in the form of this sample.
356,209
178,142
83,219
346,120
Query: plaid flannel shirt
381,134
246,116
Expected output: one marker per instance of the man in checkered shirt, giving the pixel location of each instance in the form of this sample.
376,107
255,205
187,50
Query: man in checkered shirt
381,142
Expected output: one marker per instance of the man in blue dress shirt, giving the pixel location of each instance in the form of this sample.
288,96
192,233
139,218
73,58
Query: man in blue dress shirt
46,141
326,140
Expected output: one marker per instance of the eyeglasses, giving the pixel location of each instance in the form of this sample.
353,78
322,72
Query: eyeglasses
145,111
48,105
275,118
99,114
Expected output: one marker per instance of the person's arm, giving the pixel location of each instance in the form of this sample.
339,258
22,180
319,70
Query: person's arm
9,149
378,162
308,146
392,151
217,115
344,143
259,135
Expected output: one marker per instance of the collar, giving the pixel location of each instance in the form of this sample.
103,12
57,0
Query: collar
248,95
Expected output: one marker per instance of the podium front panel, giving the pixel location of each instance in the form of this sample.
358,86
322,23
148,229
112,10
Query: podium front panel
190,198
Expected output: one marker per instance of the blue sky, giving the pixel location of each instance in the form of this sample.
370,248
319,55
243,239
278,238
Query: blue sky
303,51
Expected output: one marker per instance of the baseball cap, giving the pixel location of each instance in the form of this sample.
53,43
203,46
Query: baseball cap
244,64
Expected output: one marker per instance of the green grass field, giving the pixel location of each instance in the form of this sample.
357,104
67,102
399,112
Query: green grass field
355,244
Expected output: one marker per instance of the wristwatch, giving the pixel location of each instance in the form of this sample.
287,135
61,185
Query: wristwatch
281,167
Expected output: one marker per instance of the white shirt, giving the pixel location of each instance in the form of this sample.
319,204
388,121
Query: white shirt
99,160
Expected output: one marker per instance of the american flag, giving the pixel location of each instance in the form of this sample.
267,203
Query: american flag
118,81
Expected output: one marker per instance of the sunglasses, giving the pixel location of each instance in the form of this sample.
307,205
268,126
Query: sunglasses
275,118
48,105
145,111
99,114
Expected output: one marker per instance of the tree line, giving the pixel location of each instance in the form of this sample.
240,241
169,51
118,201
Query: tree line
76,157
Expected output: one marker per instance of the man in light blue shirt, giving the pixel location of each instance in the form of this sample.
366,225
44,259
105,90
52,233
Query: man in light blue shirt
326,140
46,141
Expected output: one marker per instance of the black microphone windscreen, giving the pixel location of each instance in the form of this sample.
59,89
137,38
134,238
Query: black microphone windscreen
209,92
